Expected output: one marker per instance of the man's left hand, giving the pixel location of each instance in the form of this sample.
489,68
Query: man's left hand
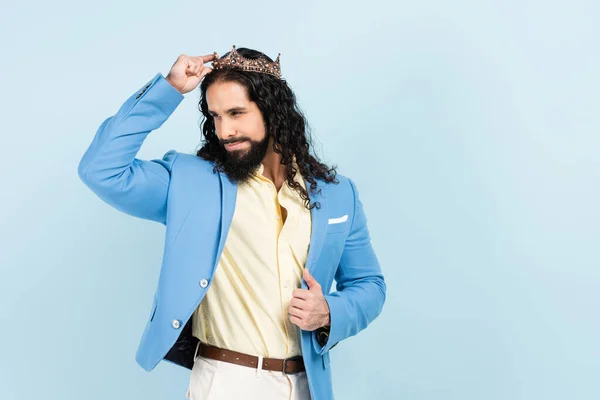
308,308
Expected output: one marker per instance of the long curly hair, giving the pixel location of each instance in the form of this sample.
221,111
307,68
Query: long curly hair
284,122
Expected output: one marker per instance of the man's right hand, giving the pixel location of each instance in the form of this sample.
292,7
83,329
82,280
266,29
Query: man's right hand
187,72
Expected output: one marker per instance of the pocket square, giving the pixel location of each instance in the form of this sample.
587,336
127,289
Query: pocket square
338,220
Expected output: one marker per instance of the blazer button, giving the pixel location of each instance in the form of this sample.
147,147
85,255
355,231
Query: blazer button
176,324
203,283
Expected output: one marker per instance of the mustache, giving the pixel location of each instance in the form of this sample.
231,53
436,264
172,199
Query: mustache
223,142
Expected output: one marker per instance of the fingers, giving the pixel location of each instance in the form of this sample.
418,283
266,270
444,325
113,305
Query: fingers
205,71
295,311
198,59
298,303
196,68
205,59
311,282
295,320
193,67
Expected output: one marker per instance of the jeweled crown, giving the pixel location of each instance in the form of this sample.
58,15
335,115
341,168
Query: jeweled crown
235,60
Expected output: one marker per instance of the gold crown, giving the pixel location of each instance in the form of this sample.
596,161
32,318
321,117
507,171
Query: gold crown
235,60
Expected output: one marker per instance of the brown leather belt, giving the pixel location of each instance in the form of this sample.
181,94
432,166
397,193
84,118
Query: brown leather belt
287,366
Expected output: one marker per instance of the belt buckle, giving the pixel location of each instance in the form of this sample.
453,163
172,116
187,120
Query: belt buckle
285,360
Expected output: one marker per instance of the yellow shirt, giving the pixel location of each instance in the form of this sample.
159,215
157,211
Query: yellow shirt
246,307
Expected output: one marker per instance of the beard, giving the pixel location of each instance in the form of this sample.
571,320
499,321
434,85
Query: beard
239,164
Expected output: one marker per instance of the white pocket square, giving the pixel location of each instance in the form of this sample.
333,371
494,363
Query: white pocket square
338,220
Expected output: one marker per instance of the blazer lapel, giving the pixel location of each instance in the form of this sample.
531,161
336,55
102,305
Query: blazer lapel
319,226
228,198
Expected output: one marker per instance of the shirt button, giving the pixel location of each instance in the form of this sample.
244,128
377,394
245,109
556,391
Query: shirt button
176,324
203,283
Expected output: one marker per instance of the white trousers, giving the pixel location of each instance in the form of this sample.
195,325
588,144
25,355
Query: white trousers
219,380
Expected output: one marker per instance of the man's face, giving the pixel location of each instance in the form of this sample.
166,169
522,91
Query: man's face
239,126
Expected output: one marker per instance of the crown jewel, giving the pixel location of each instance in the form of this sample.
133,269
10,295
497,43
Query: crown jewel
235,60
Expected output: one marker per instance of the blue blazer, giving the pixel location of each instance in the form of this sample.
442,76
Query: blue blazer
196,205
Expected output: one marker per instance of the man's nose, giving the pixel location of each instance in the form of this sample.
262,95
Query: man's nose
227,129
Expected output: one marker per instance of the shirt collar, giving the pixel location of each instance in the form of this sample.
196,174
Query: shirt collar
258,172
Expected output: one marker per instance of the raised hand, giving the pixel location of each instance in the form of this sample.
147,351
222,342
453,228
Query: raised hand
188,71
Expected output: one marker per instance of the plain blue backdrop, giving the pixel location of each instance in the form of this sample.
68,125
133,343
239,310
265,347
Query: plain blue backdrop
470,127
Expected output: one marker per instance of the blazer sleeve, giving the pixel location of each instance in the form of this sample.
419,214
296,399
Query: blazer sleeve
361,289
110,168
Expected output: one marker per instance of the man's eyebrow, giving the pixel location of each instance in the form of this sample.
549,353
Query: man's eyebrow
231,110
236,109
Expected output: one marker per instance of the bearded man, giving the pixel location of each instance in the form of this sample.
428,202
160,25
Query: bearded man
257,230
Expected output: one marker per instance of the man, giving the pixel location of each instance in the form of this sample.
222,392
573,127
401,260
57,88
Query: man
257,229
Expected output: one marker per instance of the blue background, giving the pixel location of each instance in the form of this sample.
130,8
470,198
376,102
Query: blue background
470,127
